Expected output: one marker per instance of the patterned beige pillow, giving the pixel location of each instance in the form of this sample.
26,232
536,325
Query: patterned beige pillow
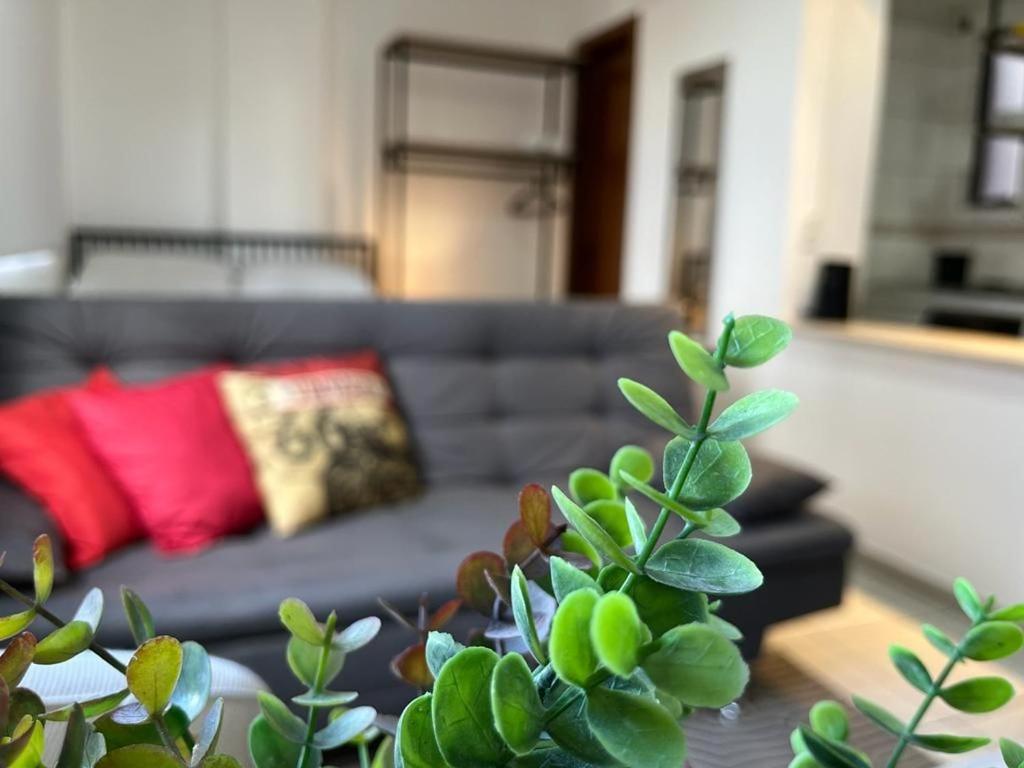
321,442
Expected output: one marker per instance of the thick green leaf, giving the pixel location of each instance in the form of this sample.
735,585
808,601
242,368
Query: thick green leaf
697,362
282,719
939,639
299,620
535,513
753,414
472,584
384,757
698,666
654,407
357,635
72,753
90,610
661,607
92,708
832,754
952,745
415,741
882,717
130,724
665,501
518,712
587,485
153,672
911,667
140,756
325,699
30,753
461,710
571,732
635,460
616,633
978,695
992,640
63,643
567,578
16,623
220,761
637,529
1013,753
1009,613
720,473
271,750
635,730
611,515
756,339
192,690
441,646
720,524
725,629
572,655
16,659
140,620
209,732
804,760
828,719
344,728
522,612
24,703
42,568
303,659
600,539
703,566
968,599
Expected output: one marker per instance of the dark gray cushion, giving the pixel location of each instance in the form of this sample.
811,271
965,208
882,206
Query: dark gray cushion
22,519
776,490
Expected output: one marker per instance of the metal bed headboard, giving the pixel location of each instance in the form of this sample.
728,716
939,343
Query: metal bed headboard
239,248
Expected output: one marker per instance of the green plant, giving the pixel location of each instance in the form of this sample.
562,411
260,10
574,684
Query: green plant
993,634
634,644
148,722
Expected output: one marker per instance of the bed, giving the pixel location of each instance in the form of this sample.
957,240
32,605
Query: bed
217,264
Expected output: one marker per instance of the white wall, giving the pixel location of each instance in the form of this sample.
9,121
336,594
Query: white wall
759,40
260,114
31,201
923,453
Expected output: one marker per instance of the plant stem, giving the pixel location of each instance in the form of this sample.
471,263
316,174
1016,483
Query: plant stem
158,721
318,687
688,460
95,647
364,756
933,692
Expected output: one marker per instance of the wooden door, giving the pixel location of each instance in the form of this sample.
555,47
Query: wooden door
603,103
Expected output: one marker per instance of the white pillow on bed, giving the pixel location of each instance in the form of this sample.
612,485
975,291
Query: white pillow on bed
302,279
149,273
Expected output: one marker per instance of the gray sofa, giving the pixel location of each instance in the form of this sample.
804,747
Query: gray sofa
496,396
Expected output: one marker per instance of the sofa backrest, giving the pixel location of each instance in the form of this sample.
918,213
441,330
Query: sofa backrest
492,392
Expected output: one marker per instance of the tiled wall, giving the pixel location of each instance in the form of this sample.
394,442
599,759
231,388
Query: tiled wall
925,153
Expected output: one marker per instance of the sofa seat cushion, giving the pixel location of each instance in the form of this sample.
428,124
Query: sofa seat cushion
344,564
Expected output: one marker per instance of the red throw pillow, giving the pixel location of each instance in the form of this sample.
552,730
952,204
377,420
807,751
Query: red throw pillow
175,455
43,449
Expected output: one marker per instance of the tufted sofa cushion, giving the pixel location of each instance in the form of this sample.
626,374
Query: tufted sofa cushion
497,393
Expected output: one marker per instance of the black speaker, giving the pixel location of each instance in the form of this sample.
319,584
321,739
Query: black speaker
832,297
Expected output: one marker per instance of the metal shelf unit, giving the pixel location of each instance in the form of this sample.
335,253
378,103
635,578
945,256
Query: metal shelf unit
544,173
